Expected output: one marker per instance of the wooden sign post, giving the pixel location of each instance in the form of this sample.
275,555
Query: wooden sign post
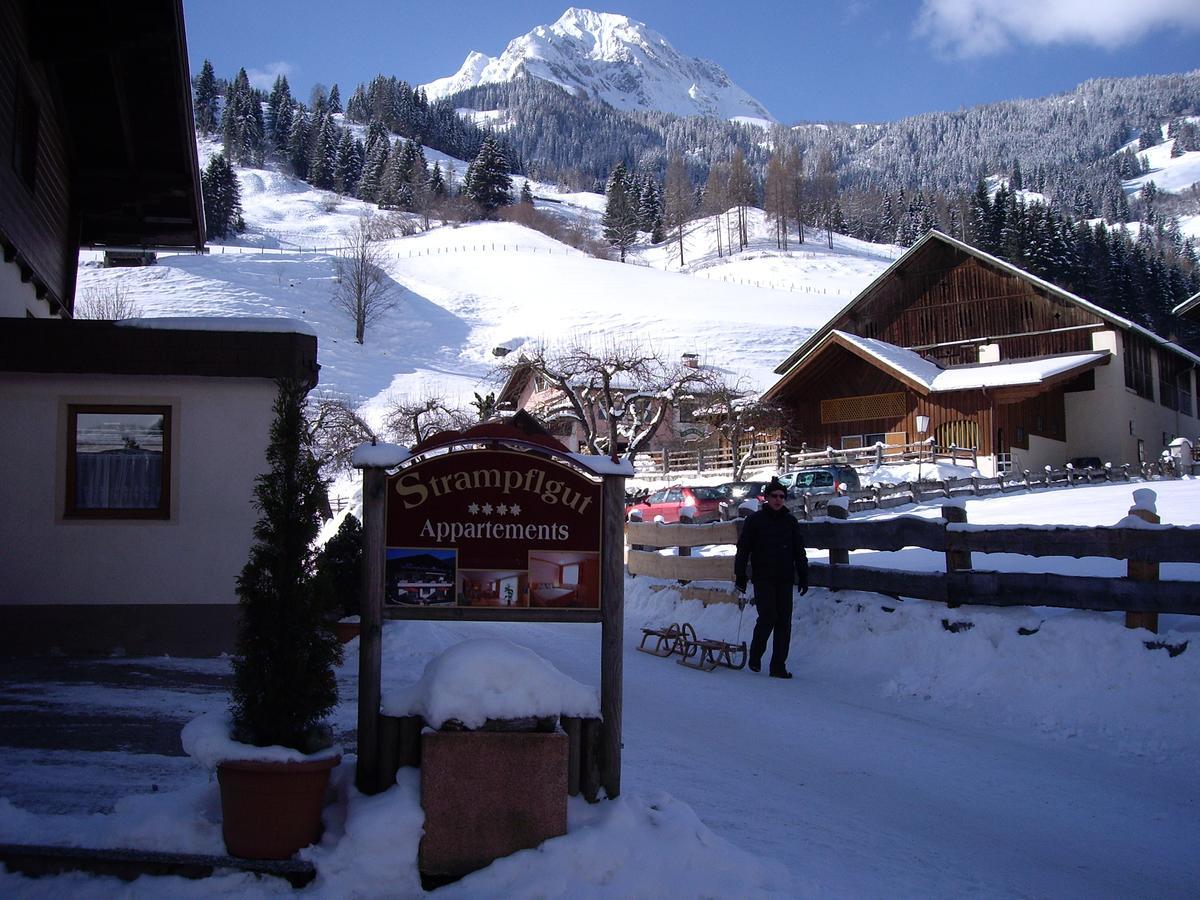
492,524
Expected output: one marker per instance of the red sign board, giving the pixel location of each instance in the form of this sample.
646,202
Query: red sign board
494,530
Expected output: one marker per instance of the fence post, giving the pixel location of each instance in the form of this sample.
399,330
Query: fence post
956,560
836,510
685,518
1143,508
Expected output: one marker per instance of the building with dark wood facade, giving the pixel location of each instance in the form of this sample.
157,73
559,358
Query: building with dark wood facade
131,448
1189,308
986,355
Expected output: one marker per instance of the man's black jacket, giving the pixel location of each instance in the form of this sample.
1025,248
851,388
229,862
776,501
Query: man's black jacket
773,543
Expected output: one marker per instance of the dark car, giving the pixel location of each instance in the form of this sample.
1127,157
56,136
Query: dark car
703,500
822,480
737,491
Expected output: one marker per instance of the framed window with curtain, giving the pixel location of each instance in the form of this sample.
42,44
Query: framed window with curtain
118,462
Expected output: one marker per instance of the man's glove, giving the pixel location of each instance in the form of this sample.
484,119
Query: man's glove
740,584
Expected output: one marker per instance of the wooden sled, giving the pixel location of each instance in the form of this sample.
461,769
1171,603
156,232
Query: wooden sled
705,654
666,640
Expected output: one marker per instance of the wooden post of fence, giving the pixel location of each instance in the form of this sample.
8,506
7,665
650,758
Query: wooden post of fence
1143,508
838,556
956,560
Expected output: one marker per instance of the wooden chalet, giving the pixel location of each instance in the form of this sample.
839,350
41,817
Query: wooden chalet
134,445
955,345
1189,308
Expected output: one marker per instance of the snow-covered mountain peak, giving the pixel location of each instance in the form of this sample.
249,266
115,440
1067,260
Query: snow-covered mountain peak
610,56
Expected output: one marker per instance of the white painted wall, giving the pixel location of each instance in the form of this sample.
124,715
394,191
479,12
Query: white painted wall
1042,452
17,297
220,429
1108,421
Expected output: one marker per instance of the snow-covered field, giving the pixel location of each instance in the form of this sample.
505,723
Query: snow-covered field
904,760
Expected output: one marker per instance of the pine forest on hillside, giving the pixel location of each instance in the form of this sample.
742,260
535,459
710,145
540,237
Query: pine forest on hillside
1055,209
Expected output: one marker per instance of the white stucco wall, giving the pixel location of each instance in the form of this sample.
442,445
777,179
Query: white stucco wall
1042,452
1108,421
17,297
220,428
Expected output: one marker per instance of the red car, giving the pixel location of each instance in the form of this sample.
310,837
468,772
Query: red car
704,503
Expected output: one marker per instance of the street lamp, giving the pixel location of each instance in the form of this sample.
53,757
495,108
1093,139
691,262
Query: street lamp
922,427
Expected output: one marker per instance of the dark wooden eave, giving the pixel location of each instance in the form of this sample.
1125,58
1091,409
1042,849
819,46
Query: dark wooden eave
121,72
79,347
1189,307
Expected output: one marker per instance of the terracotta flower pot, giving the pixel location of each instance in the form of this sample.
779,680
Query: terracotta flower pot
269,810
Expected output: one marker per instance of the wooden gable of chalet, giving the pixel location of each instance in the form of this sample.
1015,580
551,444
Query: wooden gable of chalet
944,299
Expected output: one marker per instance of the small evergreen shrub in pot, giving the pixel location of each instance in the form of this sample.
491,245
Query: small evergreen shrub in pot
284,683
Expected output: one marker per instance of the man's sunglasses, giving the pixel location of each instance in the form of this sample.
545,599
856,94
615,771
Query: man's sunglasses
777,495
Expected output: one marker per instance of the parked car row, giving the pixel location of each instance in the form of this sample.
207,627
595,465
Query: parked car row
714,503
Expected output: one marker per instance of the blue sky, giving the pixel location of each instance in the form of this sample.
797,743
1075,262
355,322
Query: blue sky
844,60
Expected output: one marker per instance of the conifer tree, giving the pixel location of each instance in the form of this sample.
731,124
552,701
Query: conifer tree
323,159
371,184
299,148
620,221
437,184
489,182
526,193
206,99
334,105
349,166
283,670
278,123
241,122
339,568
222,197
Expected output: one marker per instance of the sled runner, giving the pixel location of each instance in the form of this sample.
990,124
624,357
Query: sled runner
705,654
667,640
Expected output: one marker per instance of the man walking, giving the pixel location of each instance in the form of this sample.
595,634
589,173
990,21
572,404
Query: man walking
772,542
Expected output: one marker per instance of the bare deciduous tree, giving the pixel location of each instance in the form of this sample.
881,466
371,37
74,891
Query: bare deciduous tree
736,411
362,289
110,302
411,420
678,205
620,392
716,198
336,429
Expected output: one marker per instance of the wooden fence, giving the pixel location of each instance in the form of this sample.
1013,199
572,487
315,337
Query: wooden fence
1141,592
706,461
883,454
887,496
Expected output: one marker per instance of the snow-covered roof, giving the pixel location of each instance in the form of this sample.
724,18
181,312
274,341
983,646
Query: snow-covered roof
817,337
913,367
1187,305
258,324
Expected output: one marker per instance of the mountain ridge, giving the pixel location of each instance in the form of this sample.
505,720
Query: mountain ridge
612,58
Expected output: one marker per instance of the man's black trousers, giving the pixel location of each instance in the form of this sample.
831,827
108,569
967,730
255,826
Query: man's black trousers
773,599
